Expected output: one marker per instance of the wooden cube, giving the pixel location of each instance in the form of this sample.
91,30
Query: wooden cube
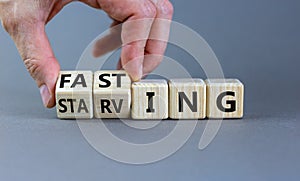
225,98
112,94
187,99
150,99
74,95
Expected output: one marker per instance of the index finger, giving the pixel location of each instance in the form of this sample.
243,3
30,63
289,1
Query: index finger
159,35
137,16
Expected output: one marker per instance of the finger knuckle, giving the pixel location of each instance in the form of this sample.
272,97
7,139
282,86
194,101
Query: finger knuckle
166,8
147,11
16,22
32,66
10,24
133,51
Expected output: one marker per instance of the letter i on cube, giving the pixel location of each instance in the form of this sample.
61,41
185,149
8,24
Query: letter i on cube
150,99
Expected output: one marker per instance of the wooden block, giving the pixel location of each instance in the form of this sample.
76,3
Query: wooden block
112,94
224,98
187,99
150,99
74,95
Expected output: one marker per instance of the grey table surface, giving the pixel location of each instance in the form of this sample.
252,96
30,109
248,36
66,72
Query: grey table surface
255,41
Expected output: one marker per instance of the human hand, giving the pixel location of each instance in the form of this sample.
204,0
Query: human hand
25,22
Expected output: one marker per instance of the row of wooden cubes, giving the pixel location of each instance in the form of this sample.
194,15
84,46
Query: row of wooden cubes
111,94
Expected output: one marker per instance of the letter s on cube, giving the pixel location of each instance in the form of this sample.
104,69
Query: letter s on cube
112,94
74,95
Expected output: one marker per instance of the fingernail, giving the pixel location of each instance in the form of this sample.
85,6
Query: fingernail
44,91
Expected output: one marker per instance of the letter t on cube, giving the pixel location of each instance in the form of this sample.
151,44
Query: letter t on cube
112,96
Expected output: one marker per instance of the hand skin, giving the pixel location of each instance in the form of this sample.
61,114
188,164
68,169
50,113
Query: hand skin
25,21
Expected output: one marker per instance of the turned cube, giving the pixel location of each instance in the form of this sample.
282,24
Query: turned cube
74,95
225,98
187,99
150,99
112,94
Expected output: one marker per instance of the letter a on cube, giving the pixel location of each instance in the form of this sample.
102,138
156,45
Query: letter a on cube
225,98
74,95
112,96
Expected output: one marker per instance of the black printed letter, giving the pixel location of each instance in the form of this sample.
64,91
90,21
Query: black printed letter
150,96
182,96
231,103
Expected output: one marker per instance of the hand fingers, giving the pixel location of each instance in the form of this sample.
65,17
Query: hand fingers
57,6
34,47
109,42
137,16
135,32
119,65
25,22
159,35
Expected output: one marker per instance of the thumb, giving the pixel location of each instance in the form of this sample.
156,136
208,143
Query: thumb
35,49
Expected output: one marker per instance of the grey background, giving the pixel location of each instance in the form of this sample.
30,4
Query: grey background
256,41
